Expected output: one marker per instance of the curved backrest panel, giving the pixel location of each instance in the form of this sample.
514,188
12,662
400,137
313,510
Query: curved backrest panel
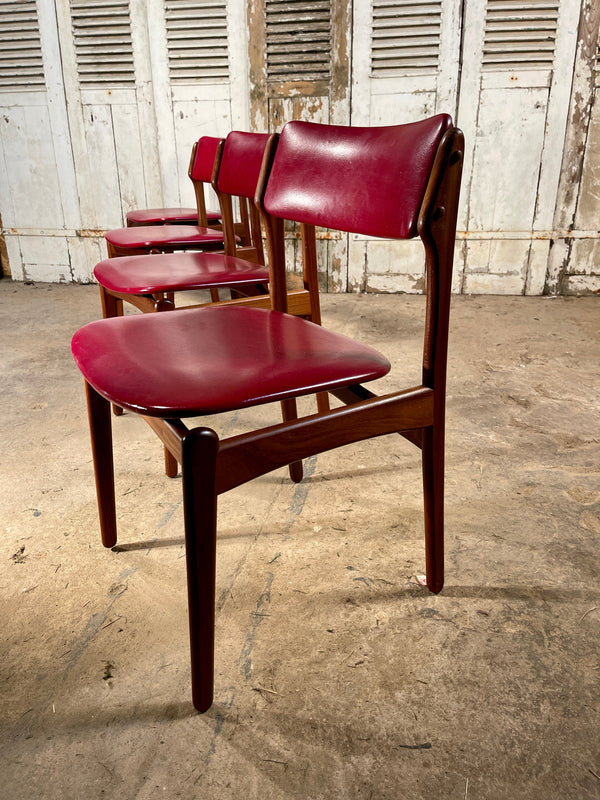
206,150
361,180
241,163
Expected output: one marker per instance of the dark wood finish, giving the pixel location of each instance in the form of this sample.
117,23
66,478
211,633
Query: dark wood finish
102,454
200,449
211,466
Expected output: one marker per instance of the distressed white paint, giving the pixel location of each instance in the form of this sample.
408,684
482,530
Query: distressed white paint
389,101
585,257
59,123
524,226
588,213
30,166
508,147
491,283
536,271
558,109
377,263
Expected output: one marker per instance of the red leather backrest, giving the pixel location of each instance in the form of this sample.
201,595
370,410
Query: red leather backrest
241,163
206,151
361,180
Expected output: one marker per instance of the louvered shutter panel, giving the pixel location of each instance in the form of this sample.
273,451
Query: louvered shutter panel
102,38
197,40
298,40
21,65
520,35
405,38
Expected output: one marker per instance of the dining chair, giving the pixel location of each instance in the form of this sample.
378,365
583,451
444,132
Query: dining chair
394,182
176,216
143,239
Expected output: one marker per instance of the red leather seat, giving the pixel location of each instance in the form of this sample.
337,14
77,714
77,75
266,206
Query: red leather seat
176,272
163,237
151,364
172,216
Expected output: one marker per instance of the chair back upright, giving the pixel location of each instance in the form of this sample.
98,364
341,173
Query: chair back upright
236,172
393,182
200,171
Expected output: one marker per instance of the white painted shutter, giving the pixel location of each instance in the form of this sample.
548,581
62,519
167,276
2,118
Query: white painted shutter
21,65
405,37
298,40
197,40
520,35
102,39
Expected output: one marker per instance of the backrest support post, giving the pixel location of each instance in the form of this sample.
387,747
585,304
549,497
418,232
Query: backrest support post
437,229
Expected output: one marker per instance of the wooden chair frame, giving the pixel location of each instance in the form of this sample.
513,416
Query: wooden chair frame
212,466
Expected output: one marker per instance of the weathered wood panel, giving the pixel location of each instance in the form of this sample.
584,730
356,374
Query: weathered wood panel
31,172
508,149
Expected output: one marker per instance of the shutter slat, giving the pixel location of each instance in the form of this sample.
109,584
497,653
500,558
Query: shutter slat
405,37
197,43
520,34
103,48
21,64
298,40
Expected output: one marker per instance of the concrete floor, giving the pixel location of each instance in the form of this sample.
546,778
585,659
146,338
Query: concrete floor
338,675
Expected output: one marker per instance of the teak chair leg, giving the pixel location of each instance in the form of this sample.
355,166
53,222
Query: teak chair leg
433,494
200,448
101,433
289,412
323,402
171,465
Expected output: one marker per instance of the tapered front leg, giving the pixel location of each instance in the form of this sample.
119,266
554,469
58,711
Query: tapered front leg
102,452
433,493
200,448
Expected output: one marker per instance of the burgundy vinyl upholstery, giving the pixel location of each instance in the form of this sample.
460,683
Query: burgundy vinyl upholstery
374,186
239,170
242,148
147,237
209,360
206,150
176,272
161,216
203,159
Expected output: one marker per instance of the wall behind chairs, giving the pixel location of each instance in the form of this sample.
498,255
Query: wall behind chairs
99,107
